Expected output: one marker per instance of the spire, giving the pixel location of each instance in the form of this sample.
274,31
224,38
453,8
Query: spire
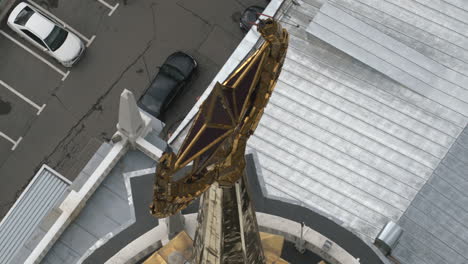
131,124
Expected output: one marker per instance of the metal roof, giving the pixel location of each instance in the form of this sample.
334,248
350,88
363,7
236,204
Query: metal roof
435,224
36,201
369,122
346,139
427,76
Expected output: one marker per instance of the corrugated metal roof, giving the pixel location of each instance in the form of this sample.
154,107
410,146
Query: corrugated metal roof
423,45
41,195
346,139
366,123
420,31
436,222
426,76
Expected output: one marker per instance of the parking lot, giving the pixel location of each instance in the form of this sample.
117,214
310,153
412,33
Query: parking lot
29,76
56,115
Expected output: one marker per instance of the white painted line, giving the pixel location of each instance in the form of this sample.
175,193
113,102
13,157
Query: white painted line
15,143
65,25
112,8
39,108
64,74
90,40
138,173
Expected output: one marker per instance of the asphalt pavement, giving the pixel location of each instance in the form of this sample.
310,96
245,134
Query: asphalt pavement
81,105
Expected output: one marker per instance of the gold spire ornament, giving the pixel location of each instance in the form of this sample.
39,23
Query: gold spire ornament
215,144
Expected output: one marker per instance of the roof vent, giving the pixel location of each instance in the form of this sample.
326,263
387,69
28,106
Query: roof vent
388,237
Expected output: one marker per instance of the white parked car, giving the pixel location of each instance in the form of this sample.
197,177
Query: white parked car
45,34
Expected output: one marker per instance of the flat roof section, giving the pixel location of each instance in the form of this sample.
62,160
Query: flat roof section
108,211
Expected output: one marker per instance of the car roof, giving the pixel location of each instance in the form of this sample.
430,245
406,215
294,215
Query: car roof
182,62
40,25
37,23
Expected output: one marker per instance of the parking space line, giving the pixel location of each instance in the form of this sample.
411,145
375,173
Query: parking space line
65,25
15,143
112,8
64,74
39,108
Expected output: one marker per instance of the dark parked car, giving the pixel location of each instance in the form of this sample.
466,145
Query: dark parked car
249,16
171,78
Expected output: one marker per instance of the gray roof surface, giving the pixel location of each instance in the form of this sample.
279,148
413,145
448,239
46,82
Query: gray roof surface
368,121
421,44
18,227
346,139
436,222
393,58
107,212
415,24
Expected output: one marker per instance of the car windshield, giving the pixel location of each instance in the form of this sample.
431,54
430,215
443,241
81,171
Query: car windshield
56,38
173,72
24,16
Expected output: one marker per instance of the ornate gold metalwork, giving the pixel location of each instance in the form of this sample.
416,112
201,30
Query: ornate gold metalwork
216,142
182,243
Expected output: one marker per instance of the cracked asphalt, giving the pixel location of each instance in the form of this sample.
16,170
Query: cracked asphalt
81,111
